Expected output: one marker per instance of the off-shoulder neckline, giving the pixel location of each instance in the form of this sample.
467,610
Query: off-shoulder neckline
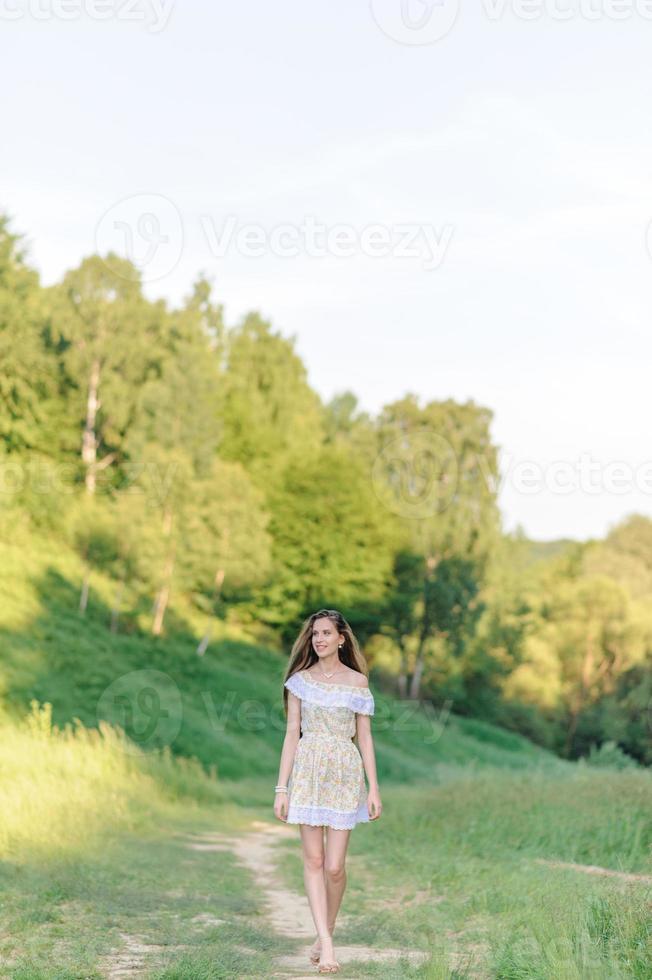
311,680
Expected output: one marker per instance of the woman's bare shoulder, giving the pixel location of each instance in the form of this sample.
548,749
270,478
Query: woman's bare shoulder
355,677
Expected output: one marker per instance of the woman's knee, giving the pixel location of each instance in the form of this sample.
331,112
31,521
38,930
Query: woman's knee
335,870
313,862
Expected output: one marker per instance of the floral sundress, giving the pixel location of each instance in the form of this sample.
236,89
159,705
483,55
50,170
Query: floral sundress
327,785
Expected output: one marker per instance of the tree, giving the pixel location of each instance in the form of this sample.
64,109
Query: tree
330,537
633,536
29,410
194,536
270,412
109,342
595,640
491,655
450,608
228,551
436,470
399,612
625,715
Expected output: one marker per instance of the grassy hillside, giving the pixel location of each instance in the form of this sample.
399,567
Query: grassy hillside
92,852
227,703
494,858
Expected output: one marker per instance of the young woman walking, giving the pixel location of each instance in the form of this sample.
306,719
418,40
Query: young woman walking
321,779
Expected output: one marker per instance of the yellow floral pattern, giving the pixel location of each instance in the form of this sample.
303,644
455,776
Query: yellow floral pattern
327,784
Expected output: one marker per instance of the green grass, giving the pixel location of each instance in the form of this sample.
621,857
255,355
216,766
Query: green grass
93,844
456,869
93,826
227,703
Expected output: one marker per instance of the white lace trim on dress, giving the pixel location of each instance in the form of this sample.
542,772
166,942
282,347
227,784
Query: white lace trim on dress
360,700
320,816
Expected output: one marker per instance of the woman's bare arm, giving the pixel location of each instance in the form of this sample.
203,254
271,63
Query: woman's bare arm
366,746
291,740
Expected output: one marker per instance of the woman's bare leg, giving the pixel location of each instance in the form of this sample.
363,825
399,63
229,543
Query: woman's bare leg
337,842
312,839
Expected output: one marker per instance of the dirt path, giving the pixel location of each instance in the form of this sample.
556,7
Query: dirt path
593,869
133,957
288,911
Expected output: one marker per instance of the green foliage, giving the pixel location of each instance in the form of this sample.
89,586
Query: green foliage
64,787
610,756
269,409
194,472
189,478
329,534
29,410
231,713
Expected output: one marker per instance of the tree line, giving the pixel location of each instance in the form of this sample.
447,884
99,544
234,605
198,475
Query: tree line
188,460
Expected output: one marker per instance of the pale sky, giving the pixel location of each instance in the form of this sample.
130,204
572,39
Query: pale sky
294,151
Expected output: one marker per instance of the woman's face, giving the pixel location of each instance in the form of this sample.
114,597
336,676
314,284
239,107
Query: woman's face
325,637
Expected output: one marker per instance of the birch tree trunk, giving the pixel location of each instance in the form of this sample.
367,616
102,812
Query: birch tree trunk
89,456
426,626
83,598
163,596
217,586
115,612
415,683
89,438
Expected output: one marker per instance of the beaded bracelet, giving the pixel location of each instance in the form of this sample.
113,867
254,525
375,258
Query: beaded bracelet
280,789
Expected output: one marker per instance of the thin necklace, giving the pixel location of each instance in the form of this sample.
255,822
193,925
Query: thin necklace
324,672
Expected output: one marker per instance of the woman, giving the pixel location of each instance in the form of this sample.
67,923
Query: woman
321,780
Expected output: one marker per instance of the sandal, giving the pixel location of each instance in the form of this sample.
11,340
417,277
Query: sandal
315,957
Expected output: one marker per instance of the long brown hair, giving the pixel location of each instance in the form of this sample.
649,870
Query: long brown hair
303,656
